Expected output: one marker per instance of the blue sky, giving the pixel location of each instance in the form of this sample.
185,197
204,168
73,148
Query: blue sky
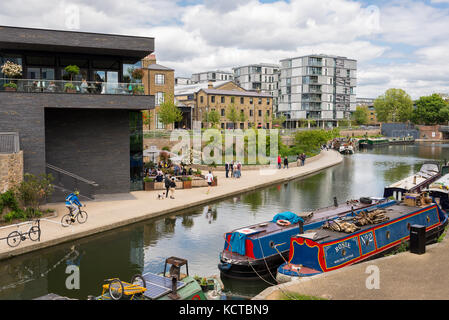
399,43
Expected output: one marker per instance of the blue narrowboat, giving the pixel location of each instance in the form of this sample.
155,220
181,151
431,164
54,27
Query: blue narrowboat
340,243
256,251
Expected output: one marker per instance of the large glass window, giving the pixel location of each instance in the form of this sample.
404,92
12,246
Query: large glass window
128,69
159,98
136,150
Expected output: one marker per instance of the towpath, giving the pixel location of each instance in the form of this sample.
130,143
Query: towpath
113,211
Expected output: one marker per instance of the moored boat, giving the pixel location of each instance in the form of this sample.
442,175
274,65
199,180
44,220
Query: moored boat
361,237
346,149
256,251
429,172
440,190
370,143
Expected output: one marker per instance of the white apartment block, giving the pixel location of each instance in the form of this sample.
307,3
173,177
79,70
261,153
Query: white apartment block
262,77
212,76
317,87
182,81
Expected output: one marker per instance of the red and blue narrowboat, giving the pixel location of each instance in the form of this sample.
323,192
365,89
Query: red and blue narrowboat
256,251
360,237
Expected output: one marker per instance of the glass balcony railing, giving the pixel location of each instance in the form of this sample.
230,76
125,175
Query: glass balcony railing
72,87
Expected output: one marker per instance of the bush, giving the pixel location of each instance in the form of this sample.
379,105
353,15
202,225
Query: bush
10,85
34,189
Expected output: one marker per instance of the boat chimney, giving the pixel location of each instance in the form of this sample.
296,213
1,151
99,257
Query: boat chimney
414,179
301,226
174,288
335,202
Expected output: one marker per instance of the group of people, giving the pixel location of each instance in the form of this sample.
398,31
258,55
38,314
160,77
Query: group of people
235,168
280,162
300,161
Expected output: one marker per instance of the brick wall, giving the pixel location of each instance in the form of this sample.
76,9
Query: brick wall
11,170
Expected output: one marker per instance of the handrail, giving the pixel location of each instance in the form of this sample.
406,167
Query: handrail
92,183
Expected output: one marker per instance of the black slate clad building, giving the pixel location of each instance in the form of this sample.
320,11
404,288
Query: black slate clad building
85,128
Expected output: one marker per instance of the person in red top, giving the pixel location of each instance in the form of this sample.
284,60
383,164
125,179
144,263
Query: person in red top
279,161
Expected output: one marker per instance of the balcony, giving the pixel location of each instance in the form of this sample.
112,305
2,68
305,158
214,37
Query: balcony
70,87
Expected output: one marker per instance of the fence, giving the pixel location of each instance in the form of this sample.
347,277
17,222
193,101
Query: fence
9,142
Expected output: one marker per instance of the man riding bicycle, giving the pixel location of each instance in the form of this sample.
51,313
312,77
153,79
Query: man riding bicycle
73,203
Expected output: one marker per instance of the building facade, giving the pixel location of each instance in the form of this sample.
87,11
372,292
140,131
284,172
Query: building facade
160,83
317,88
369,104
208,76
84,128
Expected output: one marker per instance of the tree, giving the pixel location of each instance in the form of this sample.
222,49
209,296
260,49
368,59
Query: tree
394,106
146,117
430,110
232,114
212,117
279,121
361,115
168,112
242,116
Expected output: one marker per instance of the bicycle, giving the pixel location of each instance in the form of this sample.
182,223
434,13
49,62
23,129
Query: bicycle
117,288
33,233
70,218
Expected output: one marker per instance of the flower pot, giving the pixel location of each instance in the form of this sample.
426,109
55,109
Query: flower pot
10,89
149,186
187,184
70,90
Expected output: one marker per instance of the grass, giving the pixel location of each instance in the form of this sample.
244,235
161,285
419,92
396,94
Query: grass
298,296
443,235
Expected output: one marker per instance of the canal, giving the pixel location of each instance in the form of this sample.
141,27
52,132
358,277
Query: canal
197,234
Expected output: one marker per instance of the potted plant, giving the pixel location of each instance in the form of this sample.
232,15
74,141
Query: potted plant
186,182
149,183
12,71
72,70
203,284
138,90
137,74
10,86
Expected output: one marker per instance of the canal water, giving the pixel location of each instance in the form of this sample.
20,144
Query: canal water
197,234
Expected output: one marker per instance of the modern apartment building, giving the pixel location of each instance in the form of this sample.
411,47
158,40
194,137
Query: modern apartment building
207,76
180,81
369,103
262,77
321,88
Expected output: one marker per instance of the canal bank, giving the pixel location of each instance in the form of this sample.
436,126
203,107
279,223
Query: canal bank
114,211
404,276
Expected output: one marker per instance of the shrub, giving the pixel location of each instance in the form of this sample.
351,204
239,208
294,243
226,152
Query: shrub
137,74
10,85
33,189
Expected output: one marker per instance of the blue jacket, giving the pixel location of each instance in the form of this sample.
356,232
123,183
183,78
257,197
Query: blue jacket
72,199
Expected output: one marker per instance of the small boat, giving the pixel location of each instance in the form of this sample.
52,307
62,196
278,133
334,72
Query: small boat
439,190
171,285
256,251
429,172
373,233
370,143
346,149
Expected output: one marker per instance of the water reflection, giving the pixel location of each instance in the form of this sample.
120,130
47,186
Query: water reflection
197,234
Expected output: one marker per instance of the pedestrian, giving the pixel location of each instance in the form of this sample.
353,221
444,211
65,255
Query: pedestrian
285,162
279,161
303,159
232,169
172,187
298,160
209,178
227,169
167,183
239,169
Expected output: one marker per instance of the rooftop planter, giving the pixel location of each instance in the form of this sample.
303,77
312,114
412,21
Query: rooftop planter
10,86
148,184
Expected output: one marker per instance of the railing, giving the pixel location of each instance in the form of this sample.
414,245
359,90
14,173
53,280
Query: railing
9,142
69,181
74,87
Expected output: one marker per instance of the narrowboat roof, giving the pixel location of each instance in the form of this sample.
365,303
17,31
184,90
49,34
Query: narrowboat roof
322,235
427,171
441,185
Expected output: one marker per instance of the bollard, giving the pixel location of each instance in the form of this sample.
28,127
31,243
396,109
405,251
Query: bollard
418,239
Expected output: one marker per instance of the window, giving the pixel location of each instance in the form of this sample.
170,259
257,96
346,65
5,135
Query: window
268,101
159,78
251,100
159,98
212,99
242,125
232,99
250,113
222,99
201,99
222,112
159,124
260,113
268,112
242,100
222,125
260,100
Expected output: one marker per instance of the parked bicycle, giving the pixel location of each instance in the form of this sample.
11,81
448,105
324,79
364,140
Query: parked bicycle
70,218
33,233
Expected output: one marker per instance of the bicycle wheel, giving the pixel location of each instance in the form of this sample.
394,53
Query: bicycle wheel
66,220
35,233
138,280
116,289
14,238
82,217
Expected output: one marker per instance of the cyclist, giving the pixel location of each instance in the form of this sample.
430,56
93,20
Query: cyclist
72,202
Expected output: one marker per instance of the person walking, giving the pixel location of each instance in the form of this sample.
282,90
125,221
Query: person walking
239,168
167,183
172,187
232,169
210,179
285,162
303,159
279,161
298,160
227,169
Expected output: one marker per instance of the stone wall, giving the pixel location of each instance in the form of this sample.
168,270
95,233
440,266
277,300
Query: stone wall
11,170
430,132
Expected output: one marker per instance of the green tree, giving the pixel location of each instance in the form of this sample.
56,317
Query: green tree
212,117
242,116
430,110
279,121
361,115
168,110
232,114
394,106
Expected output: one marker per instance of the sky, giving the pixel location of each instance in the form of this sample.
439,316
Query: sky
397,43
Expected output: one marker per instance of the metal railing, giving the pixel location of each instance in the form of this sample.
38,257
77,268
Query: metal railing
9,142
69,181
73,87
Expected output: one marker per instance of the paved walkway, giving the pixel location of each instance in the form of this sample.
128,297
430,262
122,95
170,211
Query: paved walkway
404,276
113,211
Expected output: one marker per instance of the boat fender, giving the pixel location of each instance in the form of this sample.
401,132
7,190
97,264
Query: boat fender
283,223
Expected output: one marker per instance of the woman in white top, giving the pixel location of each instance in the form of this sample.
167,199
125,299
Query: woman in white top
209,178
